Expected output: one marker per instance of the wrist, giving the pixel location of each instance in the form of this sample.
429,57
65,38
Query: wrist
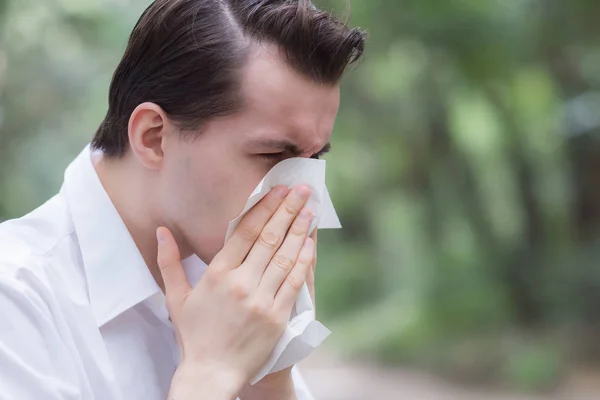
276,386
193,381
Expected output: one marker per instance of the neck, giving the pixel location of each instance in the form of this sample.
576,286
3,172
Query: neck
128,190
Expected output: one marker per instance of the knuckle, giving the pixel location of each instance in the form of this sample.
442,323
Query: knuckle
248,233
269,239
294,282
271,206
299,228
290,209
306,258
238,291
282,262
260,309
275,321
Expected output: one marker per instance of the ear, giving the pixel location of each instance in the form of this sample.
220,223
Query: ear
148,126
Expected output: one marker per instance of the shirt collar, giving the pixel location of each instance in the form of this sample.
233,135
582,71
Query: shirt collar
117,276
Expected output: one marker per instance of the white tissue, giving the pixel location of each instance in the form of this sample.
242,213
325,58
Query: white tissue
303,333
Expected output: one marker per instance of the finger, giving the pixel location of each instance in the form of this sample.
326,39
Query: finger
175,280
289,290
246,233
274,232
285,258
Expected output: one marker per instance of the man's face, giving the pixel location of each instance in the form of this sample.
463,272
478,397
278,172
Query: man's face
206,180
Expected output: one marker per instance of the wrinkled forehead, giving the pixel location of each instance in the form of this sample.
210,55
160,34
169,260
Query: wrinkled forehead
286,102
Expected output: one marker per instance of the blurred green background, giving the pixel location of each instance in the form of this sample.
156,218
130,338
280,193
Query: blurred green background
466,172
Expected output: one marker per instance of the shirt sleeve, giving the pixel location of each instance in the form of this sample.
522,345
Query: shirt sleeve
34,362
302,391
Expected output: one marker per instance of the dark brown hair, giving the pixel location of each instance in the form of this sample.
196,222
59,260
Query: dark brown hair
185,56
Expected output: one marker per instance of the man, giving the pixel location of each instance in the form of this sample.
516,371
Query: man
208,97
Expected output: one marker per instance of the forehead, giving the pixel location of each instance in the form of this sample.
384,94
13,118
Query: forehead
285,103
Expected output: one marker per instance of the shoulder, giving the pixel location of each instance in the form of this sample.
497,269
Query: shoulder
36,247
35,349
36,232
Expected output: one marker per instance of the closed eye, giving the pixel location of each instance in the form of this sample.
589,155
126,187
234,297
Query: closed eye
323,151
280,156
272,156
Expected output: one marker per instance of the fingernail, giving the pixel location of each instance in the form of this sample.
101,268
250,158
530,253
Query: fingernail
159,236
303,191
306,214
282,191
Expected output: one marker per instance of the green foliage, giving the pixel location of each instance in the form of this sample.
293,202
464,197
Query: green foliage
477,168
533,367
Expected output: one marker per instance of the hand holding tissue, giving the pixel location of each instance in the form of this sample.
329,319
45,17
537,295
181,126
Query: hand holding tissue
303,333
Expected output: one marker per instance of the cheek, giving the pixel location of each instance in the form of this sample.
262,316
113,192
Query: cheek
223,184
179,193
204,190
237,187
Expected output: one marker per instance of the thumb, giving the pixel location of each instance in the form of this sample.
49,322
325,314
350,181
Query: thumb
169,261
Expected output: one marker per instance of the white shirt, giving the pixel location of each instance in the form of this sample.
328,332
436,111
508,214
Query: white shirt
81,317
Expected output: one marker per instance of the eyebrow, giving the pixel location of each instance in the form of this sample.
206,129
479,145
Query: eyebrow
288,147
